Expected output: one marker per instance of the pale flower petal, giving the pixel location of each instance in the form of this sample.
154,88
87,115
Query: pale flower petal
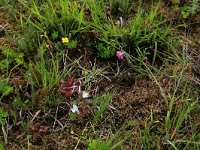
65,40
120,55
85,94
74,109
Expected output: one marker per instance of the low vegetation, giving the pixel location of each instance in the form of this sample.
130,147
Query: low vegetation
103,75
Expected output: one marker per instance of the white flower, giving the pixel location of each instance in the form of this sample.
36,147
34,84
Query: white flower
85,94
74,109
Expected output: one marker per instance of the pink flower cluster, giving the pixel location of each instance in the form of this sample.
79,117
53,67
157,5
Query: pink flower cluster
120,55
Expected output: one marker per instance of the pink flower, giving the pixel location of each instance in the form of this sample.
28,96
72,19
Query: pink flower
120,55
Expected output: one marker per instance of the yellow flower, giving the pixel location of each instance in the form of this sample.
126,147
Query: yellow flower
65,40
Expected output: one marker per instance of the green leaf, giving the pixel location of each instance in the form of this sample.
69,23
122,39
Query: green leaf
72,115
97,144
72,44
3,116
1,147
5,89
54,35
8,52
4,64
18,103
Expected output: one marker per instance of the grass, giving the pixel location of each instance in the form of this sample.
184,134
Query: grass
102,107
43,78
176,115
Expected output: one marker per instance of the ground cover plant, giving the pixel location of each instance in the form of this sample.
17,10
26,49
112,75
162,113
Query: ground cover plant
100,75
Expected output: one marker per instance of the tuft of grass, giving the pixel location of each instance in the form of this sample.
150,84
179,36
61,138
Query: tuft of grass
63,18
45,72
3,116
179,107
118,6
56,19
111,143
103,103
180,103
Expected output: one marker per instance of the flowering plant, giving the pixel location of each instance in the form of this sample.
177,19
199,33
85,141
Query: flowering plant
120,55
68,88
65,40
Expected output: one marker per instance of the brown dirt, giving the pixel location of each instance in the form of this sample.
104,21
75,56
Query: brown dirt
9,26
138,102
